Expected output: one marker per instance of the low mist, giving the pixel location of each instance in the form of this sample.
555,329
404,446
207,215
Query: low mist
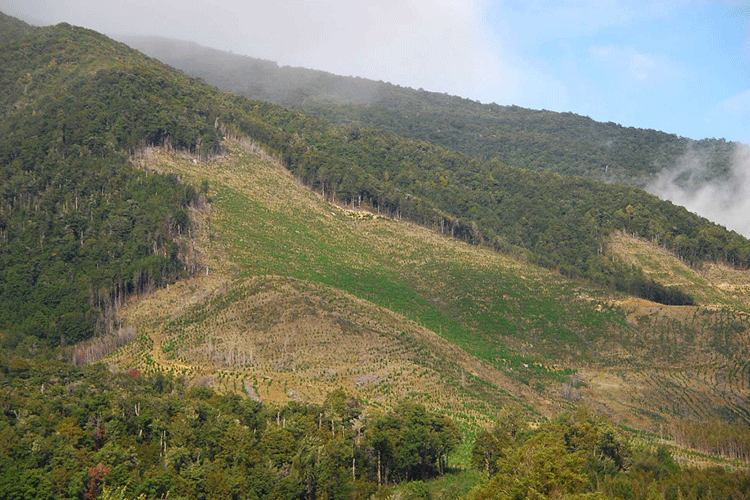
725,201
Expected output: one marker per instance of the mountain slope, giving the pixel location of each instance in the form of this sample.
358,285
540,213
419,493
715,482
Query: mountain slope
80,229
463,326
12,28
327,297
537,140
564,222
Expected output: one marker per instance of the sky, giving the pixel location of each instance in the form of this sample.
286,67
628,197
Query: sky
682,67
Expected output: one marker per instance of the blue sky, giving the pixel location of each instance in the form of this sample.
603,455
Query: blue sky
682,67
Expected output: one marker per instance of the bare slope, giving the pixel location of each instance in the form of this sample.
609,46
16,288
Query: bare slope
300,296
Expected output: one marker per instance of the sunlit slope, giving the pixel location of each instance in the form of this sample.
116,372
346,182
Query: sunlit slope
711,284
300,296
317,296
295,296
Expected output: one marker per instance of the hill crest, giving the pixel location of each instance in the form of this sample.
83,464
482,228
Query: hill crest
565,142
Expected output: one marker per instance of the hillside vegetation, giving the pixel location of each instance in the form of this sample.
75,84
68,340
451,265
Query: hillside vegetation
565,143
92,111
311,275
93,434
324,311
294,330
80,228
12,28
560,222
564,222
78,105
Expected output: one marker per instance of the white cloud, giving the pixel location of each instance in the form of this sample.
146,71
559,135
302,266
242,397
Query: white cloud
443,45
734,113
643,66
637,67
737,104
726,202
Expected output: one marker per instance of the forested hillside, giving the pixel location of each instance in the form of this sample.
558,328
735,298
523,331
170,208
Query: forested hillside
330,348
81,229
12,28
89,434
565,143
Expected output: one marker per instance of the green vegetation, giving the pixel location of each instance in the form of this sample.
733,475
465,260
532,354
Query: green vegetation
481,301
559,222
12,28
562,221
565,143
88,101
89,433
578,456
100,149
80,228
531,325
74,211
72,433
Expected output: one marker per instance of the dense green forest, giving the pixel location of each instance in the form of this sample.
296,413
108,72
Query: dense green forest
70,433
565,143
80,228
86,433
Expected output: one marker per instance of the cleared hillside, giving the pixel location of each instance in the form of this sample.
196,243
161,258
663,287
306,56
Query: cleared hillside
325,296
302,289
712,284
302,296
89,97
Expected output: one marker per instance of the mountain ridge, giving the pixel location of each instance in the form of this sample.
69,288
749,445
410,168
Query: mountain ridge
533,139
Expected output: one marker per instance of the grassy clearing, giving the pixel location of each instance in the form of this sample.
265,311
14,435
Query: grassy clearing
715,285
301,296
474,297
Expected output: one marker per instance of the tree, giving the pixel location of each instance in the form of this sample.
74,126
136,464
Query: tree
489,447
411,442
540,469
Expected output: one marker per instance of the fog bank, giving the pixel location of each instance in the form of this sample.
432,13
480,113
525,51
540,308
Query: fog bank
725,201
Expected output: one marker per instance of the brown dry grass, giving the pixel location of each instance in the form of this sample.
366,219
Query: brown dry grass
714,285
298,339
246,326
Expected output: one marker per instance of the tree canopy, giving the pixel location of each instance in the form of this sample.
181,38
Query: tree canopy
88,431
565,143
